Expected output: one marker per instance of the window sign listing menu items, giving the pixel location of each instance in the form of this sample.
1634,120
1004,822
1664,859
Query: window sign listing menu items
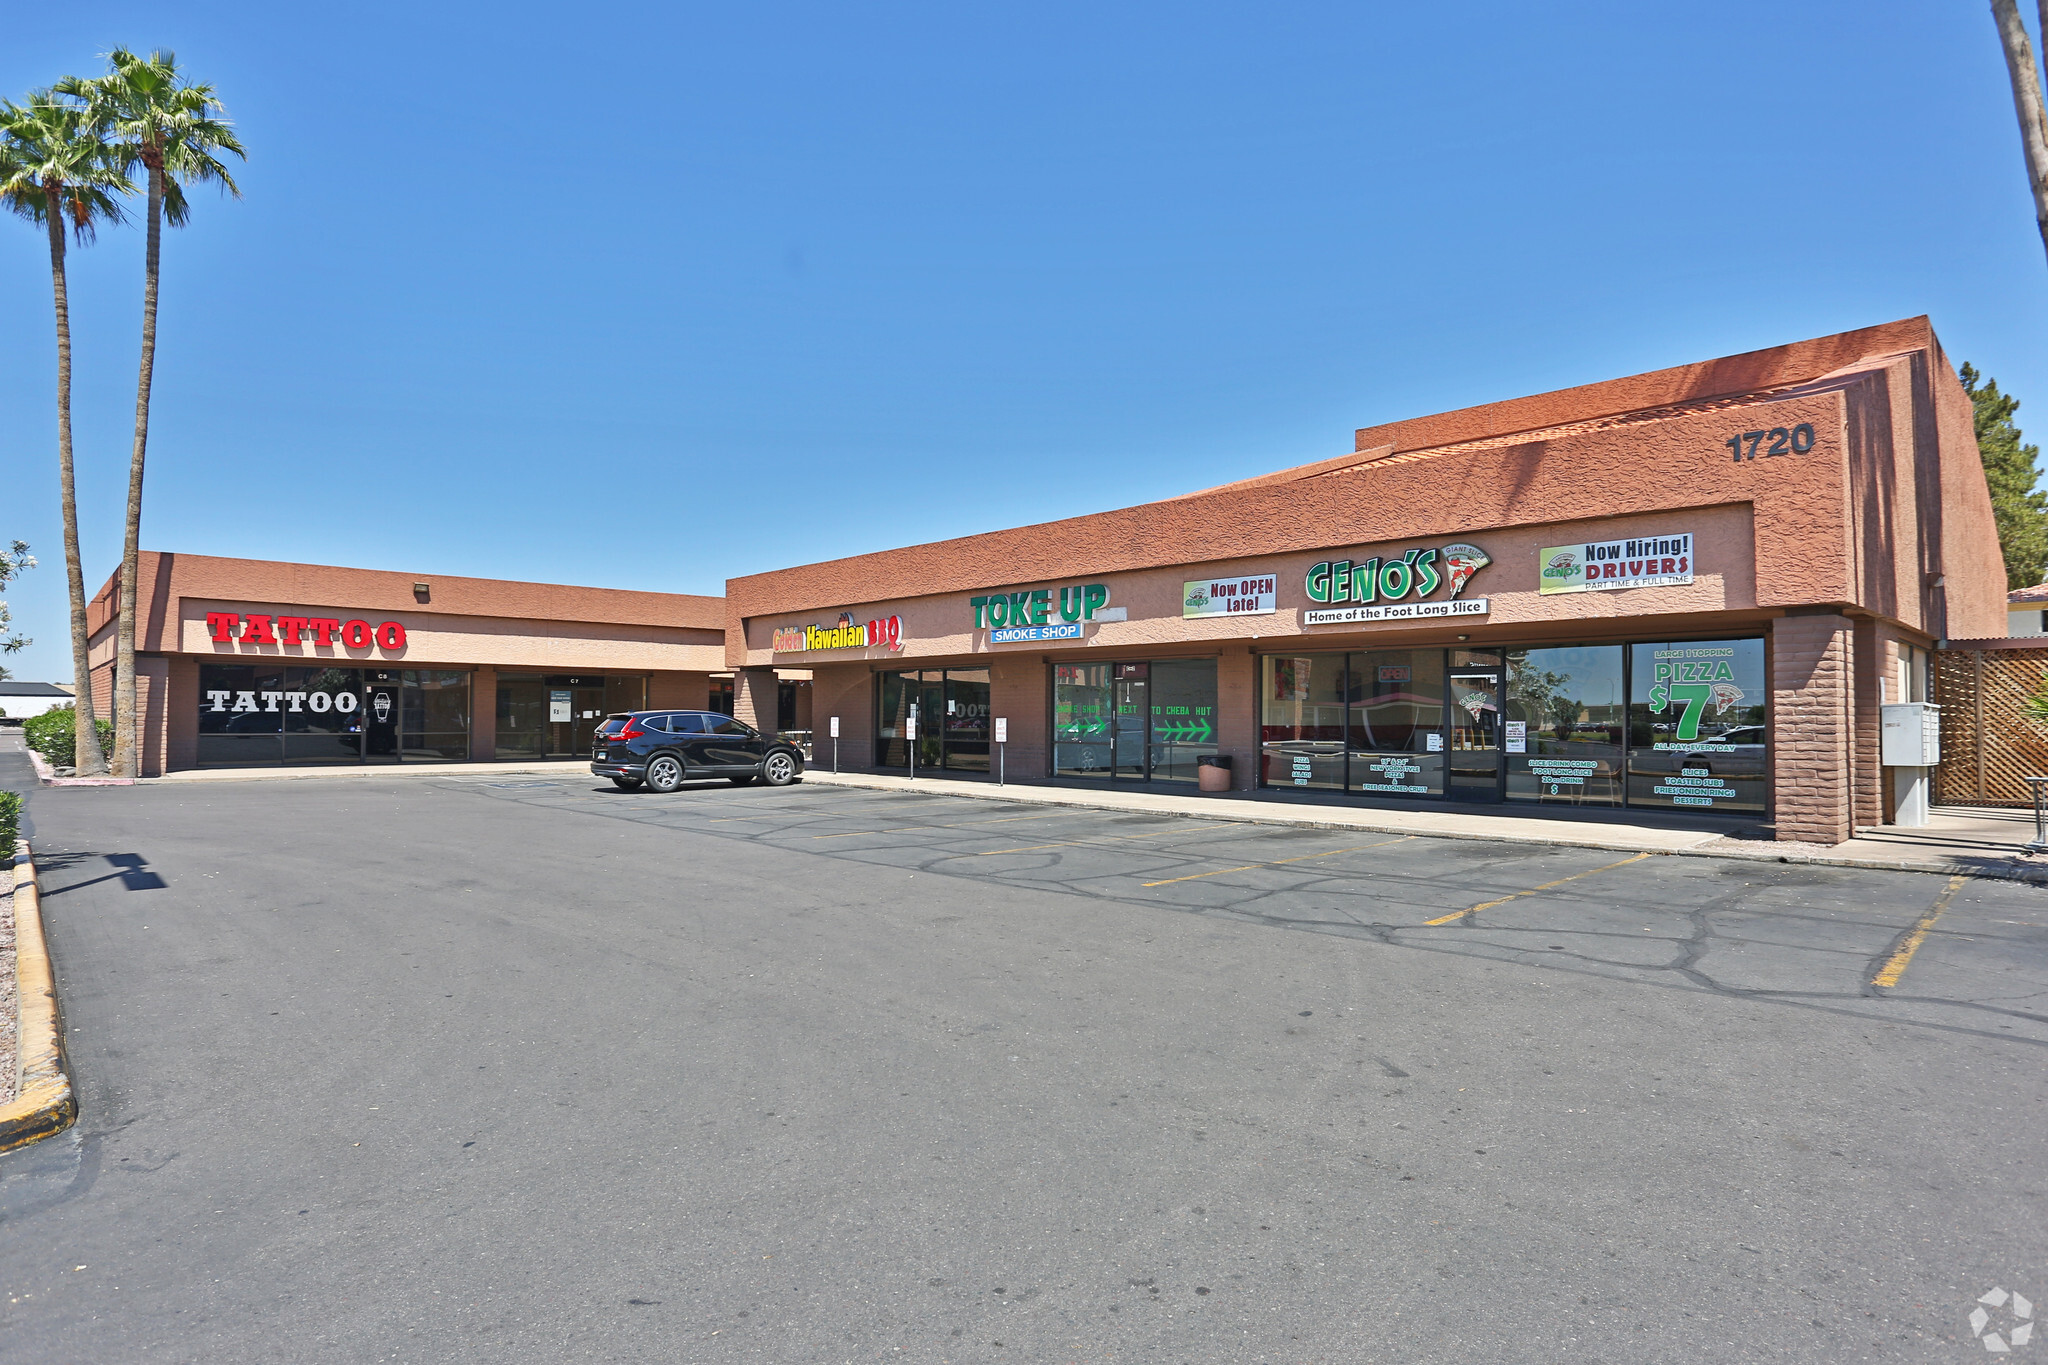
1251,595
1517,735
1396,611
1697,734
1398,774
1697,787
1562,776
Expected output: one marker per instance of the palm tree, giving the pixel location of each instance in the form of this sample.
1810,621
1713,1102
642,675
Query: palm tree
2026,101
55,169
175,130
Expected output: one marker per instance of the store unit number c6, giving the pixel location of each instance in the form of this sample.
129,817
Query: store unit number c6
1777,441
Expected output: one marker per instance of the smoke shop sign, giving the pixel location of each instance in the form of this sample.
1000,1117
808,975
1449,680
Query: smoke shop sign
1375,587
1605,565
1016,617
845,633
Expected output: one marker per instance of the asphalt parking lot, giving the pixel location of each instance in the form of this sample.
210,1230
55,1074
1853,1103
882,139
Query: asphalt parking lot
488,1069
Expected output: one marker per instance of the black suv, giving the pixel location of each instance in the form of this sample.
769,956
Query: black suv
663,749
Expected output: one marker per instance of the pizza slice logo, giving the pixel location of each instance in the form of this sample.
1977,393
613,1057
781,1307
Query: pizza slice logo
1463,561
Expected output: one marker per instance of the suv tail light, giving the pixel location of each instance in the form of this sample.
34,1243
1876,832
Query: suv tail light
631,731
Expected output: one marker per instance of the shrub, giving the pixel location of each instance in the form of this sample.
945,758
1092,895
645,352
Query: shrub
10,824
54,735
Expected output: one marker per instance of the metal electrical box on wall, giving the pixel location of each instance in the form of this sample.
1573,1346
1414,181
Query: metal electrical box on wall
1912,734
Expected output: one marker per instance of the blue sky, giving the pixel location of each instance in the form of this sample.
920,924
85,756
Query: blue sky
650,296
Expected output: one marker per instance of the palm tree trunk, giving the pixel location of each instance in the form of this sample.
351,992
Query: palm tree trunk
2027,103
90,761
126,748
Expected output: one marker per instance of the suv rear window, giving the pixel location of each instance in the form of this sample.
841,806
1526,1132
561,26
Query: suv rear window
613,724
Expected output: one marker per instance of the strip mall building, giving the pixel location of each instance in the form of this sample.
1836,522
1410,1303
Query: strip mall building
1689,590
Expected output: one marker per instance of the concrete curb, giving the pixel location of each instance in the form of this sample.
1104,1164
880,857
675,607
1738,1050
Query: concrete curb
47,775
1237,812
44,1103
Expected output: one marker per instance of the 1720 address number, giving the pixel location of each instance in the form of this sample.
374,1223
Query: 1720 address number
1782,441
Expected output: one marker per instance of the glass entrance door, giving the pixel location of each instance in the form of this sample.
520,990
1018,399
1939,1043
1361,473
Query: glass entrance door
1474,721
966,719
1131,694
383,708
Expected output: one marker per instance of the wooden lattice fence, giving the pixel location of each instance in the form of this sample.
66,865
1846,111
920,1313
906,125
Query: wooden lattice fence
1987,745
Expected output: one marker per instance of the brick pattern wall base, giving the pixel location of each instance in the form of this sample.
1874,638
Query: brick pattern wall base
1813,768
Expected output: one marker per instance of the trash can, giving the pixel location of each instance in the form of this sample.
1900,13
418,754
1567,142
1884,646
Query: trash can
1213,772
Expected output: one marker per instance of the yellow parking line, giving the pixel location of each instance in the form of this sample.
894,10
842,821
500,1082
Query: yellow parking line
1075,843
1902,956
1488,905
912,829
1281,862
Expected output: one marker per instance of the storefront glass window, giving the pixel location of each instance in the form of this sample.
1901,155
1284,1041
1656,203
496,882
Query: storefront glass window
1697,731
263,714
1564,725
1183,717
436,721
1395,701
624,693
1301,721
241,714
1080,720
897,693
952,718
522,715
325,724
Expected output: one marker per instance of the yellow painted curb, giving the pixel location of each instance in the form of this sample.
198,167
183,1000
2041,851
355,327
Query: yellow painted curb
44,1102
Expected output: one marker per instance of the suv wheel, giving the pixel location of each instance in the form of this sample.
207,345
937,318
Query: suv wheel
778,770
664,773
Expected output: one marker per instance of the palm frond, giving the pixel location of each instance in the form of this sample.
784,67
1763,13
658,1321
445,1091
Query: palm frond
57,154
156,117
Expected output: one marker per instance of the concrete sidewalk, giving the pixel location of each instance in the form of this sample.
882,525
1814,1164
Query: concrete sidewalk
556,767
1976,842
1981,842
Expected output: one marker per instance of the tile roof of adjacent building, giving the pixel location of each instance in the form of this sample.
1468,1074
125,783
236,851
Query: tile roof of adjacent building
2037,593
